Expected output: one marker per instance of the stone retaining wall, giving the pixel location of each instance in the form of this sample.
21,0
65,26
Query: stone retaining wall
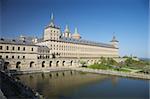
116,73
13,88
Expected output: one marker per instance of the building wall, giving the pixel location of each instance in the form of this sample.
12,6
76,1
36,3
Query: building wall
52,52
78,50
51,33
18,56
31,61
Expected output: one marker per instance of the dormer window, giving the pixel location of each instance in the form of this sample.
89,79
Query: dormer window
31,49
18,48
14,40
7,48
2,39
1,47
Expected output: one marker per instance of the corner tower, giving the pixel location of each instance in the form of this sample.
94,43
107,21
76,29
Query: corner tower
114,42
52,32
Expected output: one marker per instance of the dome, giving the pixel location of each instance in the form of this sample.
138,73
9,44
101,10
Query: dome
76,35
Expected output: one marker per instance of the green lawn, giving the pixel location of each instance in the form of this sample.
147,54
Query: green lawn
99,66
107,67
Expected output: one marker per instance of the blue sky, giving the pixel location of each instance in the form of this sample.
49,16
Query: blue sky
96,20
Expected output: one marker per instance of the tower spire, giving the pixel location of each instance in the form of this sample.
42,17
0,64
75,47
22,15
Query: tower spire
76,30
52,17
114,41
52,20
114,38
67,29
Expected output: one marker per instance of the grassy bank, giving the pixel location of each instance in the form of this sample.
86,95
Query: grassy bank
108,67
129,65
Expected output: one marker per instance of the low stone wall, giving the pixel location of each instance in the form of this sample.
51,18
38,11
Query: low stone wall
116,73
40,70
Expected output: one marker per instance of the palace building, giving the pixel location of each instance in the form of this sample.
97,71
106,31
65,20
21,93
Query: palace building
55,49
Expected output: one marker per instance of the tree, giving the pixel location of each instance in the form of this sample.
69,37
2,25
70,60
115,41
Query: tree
82,63
146,69
128,61
111,61
103,61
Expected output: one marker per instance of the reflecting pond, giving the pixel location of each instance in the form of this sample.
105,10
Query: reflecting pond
80,85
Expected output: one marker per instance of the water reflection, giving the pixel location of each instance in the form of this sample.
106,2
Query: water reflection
75,85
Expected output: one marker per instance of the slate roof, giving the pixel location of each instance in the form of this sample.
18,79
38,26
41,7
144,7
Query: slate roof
86,42
16,42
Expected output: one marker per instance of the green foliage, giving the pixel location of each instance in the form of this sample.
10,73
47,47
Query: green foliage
129,61
83,63
125,56
130,65
133,64
99,66
111,61
146,69
108,61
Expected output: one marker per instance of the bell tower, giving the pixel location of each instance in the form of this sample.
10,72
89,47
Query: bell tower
52,32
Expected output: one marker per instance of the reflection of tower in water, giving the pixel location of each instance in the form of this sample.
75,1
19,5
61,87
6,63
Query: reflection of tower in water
42,75
59,74
114,80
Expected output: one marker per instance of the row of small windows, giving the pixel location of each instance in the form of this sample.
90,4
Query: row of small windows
13,48
44,51
18,57
54,31
43,57
74,48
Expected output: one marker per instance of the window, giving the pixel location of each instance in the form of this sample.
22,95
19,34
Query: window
0,56
18,48
23,57
18,57
23,48
12,56
7,48
13,48
6,57
31,49
1,47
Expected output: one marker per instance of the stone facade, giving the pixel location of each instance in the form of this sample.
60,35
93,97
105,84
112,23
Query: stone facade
56,50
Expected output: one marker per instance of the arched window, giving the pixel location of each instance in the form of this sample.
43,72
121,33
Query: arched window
31,64
43,64
57,63
50,64
63,63
18,65
71,63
